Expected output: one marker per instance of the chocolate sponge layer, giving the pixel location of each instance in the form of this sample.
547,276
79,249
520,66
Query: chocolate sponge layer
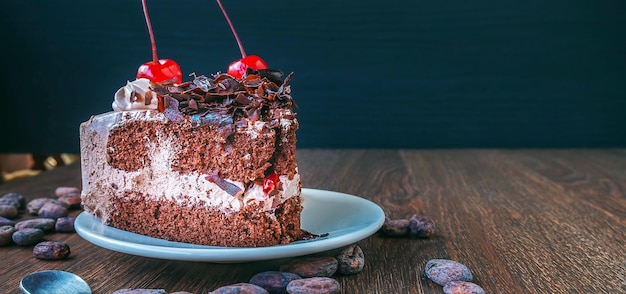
242,157
248,228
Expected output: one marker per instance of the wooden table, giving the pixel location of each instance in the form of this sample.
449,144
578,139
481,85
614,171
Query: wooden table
524,221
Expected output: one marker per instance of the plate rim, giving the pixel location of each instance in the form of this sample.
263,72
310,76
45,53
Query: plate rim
238,254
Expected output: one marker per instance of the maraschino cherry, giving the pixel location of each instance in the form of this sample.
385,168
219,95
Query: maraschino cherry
270,182
158,70
237,68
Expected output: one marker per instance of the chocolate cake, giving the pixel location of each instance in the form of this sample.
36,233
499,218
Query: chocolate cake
209,161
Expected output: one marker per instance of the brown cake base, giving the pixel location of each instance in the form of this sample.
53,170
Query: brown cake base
247,228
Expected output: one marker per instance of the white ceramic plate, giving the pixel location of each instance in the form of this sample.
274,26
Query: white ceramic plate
346,218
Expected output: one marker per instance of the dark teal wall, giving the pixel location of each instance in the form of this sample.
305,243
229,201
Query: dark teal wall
409,74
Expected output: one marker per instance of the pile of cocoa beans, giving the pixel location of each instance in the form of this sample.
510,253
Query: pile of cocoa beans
51,214
453,276
314,275
311,275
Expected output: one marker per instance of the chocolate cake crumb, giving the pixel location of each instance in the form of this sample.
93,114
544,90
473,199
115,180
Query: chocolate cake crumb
249,228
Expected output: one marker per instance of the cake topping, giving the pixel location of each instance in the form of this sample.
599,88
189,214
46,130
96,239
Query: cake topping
219,101
222,100
239,67
134,96
158,70
172,111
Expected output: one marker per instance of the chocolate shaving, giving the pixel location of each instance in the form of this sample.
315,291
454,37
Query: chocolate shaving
242,99
273,75
255,97
306,235
228,187
172,111
148,98
203,83
254,115
196,96
287,79
252,81
193,104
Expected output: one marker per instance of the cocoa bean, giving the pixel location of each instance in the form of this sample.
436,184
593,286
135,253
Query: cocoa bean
44,224
6,233
73,200
395,227
6,222
241,288
311,267
65,225
316,285
351,260
28,236
442,271
34,205
12,202
461,287
8,210
140,291
16,196
61,191
421,226
51,250
275,282
53,210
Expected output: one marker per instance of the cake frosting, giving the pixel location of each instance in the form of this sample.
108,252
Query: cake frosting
210,161
136,95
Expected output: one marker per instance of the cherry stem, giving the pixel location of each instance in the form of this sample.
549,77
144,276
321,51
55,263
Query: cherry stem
155,59
232,28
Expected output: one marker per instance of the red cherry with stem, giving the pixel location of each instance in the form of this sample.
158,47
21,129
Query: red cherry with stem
162,70
254,62
238,68
158,70
270,183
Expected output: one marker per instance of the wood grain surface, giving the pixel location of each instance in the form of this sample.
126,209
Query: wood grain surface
523,221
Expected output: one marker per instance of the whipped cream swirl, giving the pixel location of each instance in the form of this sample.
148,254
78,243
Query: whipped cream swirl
136,95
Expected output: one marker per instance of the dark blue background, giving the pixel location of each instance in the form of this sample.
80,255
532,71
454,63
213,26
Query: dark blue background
379,74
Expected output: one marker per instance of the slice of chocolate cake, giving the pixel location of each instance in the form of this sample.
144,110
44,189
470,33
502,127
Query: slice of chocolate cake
211,161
